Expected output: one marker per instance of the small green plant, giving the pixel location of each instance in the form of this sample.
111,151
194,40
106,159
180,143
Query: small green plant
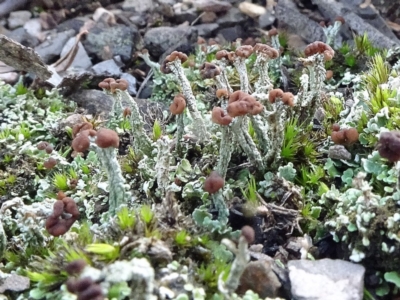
5,134
377,74
291,144
20,89
364,46
126,218
250,193
146,214
7,159
105,251
60,181
157,130
182,238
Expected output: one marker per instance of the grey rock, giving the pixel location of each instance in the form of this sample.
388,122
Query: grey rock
9,77
21,36
208,17
369,15
96,102
168,2
266,19
81,60
287,13
260,278
326,279
138,5
188,15
231,18
13,282
132,83
358,24
232,33
75,24
138,20
71,120
206,30
160,39
104,42
34,28
339,152
18,18
51,48
107,68
212,5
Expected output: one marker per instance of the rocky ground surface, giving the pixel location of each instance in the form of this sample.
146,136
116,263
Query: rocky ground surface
87,42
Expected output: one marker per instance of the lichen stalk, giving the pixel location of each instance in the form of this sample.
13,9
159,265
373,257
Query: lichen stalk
220,205
3,240
240,66
198,122
179,132
238,266
116,182
263,84
141,142
276,132
222,79
247,144
163,164
225,151
260,130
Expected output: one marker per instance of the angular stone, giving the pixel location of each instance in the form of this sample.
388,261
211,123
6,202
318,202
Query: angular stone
326,279
252,10
21,36
212,5
266,19
81,60
259,277
107,68
231,18
51,48
287,13
138,5
160,39
104,42
376,33
206,30
18,18
232,33
132,83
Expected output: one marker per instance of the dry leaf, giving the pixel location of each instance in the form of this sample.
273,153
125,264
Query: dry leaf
64,62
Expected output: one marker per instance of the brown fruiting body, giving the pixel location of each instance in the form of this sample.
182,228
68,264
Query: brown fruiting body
345,137
213,183
288,99
222,93
319,47
81,142
248,233
389,145
176,55
273,94
178,105
218,116
57,224
50,163
209,70
107,138
244,51
266,50
42,145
